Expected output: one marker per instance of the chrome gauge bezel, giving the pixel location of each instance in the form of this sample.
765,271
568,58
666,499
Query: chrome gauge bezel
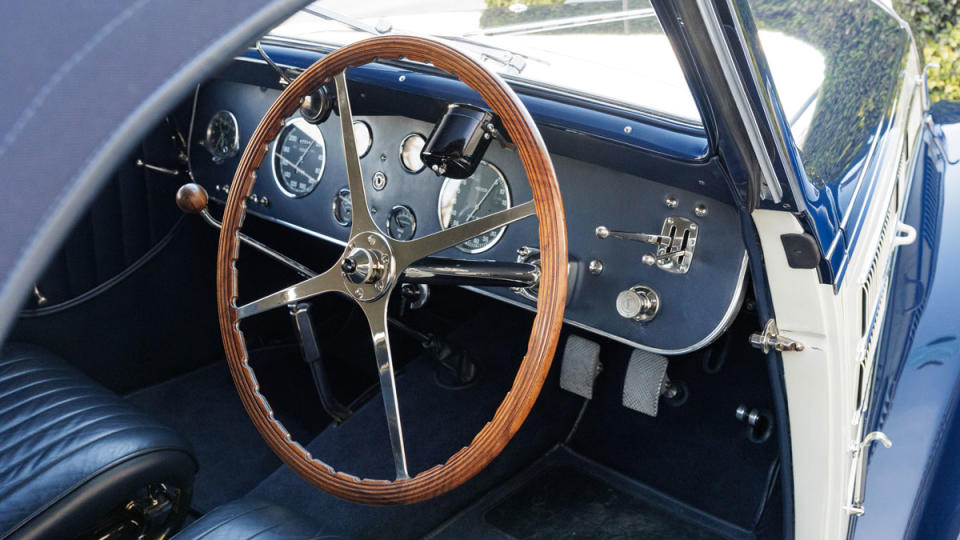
314,132
362,152
400,153
336,202
413,217
208,134
500,231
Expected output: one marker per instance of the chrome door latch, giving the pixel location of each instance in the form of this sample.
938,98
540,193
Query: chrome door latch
675,244
770,339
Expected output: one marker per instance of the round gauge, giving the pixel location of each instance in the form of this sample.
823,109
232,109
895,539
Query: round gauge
299,156
401,223
410,149
222,139
363,136
483,193
343,208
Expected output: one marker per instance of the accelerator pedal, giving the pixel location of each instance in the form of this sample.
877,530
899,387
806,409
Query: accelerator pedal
646,381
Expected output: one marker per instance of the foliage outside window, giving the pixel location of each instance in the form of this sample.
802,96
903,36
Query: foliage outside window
936,30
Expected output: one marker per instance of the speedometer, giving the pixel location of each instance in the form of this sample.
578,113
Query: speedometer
299,156
483,193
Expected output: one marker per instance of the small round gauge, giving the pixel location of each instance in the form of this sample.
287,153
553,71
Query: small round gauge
363,136
299,156
343,208
483,193
410,149
222,139
401,223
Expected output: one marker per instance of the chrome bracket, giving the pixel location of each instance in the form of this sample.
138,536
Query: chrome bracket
770,339
675,243
859,452
157,168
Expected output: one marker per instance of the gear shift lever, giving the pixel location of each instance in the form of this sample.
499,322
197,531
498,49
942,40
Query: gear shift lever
193,199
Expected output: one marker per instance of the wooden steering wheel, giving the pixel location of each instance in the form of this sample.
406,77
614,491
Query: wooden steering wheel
369,268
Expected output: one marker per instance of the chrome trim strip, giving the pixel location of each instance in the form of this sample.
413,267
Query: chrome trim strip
780,141
727,64
735,302
722,326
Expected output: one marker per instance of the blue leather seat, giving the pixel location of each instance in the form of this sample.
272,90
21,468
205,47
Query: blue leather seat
245,519
72,451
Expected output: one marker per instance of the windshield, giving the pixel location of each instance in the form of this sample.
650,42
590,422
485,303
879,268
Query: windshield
613,51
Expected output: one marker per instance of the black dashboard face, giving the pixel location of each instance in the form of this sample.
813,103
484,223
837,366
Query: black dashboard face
409,201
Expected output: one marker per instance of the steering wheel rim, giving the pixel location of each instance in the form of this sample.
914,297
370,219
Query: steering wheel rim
512,412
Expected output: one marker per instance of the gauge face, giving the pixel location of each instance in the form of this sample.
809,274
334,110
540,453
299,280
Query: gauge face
343,208
483,193
410,149
299,156
363,136
401,223
222,139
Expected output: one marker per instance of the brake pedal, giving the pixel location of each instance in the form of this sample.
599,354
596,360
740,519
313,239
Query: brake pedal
580,366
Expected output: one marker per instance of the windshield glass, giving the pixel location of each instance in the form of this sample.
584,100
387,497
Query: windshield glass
612,50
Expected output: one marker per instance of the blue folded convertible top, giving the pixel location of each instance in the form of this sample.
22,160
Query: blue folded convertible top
82,83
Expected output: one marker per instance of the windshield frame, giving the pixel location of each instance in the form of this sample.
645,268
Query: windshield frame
532,87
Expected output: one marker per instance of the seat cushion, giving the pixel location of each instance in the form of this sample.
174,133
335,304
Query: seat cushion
249,518
70,450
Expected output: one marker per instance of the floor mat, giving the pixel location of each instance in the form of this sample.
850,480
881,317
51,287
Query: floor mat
565,495
204,407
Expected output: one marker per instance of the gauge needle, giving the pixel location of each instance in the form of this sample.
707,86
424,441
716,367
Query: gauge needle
295,166
477,207
305,152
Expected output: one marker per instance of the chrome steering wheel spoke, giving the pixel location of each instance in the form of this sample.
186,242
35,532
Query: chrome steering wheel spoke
408,252
329,281
376,313
362,221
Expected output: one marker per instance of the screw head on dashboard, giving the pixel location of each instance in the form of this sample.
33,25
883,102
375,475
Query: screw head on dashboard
595,267
700,210
671,201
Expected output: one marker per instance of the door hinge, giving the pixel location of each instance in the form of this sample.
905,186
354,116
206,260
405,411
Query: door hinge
770,339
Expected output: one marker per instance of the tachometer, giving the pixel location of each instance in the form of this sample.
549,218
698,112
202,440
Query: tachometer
483,193
299,156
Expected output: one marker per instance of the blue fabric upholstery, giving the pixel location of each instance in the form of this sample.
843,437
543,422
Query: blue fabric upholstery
249,518
70,450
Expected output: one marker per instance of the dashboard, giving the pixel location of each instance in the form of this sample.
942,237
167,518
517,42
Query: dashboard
653,263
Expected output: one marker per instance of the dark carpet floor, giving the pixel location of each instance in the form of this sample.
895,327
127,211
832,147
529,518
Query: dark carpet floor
437,422
204,407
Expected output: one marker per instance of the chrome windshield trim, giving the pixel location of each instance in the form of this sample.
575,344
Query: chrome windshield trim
711,22
564,23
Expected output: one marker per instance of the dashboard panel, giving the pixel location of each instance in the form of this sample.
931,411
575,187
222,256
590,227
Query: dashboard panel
410,201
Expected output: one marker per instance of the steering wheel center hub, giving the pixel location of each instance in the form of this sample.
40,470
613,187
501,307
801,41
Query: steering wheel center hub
368,267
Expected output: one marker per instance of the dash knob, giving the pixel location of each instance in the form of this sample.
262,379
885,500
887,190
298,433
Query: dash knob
640,303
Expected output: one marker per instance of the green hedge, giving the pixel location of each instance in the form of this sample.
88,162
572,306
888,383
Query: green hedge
935,28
